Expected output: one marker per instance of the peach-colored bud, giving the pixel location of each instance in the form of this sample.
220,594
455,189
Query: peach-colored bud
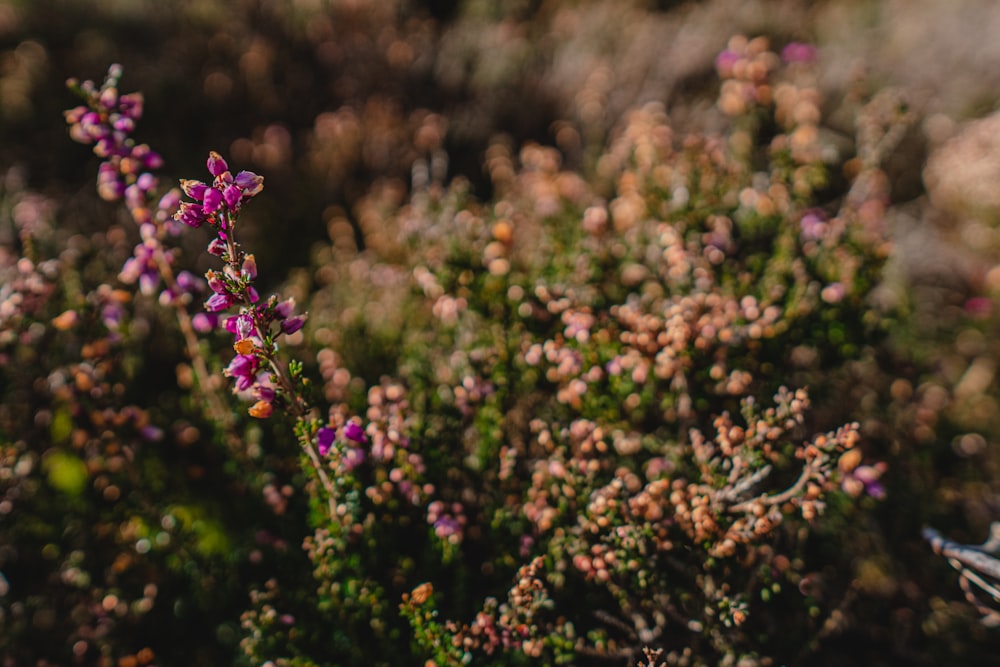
421,593
261,410
66,320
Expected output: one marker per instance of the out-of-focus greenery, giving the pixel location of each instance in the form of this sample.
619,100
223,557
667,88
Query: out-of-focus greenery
448,186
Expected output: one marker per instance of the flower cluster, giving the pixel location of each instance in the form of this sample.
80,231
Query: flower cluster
597,352
106,120
254,369
509,627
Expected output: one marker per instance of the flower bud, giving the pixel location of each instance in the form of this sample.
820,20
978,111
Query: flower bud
216,165
261,410
249,268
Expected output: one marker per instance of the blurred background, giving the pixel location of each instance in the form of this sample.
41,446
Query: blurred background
330,99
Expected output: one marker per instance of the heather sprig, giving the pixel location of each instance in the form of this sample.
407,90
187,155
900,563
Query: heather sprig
258,372
107,120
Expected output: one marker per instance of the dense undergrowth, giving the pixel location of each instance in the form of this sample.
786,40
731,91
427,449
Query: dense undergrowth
606,378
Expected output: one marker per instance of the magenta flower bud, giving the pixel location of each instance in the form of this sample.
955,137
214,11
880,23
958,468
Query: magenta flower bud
354,432
244,326
244,382
170,201
292,324
242,365
151,433
249,182
216,165
194,189
190,214
131,105
725,61
134,197
124,125
215,282
146,182
91,122
218,302
797,52
252,293
204,322
217,247
109,98
264,392
213,200
188,282
324,440
147,231
249,268
104,147
285,309
74,115
147,282
232,195
150,159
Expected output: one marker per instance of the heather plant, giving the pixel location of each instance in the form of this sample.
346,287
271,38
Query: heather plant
104,472
592,395
415,331
90,540
594,417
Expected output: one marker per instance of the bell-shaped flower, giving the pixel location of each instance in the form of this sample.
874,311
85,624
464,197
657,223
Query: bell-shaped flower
216,164
354,432
213,201
324,440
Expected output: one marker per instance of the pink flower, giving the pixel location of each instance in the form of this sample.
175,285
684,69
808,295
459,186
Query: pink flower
354,432
324,440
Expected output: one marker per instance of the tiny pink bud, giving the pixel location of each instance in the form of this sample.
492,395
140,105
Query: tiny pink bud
213,200
249,268
216,165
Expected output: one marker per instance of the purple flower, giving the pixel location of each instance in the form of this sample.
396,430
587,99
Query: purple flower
205,322
249,268
285,309
354,432
218,302
149,158
151,433
352,458
216,164
232,195
865,479
130,105
240,326
217,247
190,214
194,189
725,61
797,52
813,225
292,324
324,440
242,365
188,282
212,201
249,182
216,281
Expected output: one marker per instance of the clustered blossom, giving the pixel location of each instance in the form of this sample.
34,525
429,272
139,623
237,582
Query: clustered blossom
635,319
106,120
510,626
254,369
